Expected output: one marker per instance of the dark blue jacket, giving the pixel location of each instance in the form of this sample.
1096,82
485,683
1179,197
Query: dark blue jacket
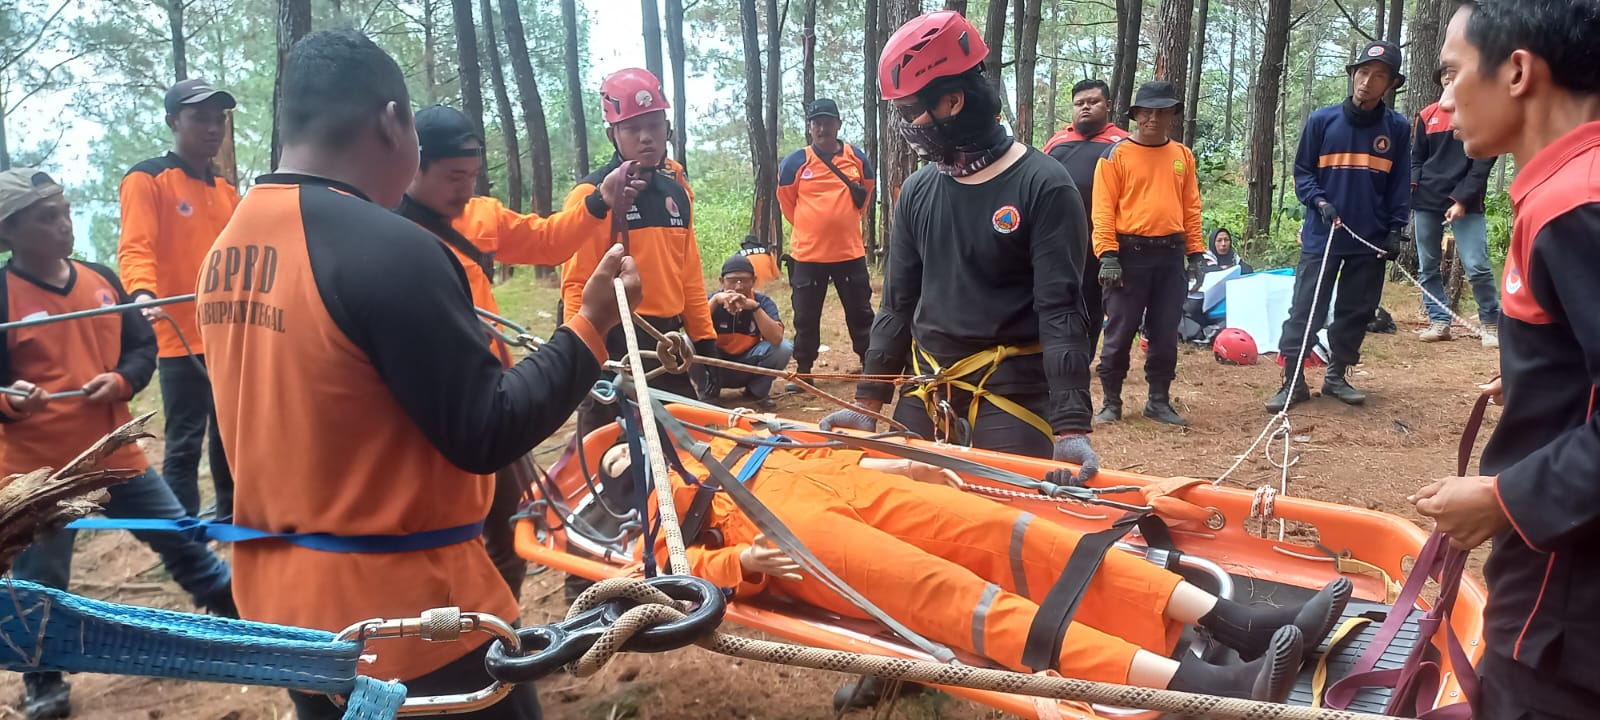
1360,162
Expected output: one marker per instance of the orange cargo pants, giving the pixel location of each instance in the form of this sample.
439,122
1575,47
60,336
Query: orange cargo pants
962,570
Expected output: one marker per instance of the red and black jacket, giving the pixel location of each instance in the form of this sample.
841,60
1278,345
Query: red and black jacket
1545,454
1441,172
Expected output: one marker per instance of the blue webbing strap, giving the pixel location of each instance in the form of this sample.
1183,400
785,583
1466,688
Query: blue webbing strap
639,474
326,542
47,629
752,464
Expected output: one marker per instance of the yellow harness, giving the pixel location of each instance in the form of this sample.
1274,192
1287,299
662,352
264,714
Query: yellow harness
986,362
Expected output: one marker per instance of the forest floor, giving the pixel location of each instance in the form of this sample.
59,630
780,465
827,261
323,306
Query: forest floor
1369,457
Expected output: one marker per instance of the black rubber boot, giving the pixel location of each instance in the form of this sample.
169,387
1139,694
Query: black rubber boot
1250,629
869,690
45,696
1112,410
1335,385
1159,406
1269,678
1285,397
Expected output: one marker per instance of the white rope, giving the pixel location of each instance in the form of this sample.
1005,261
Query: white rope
677,555
1472,325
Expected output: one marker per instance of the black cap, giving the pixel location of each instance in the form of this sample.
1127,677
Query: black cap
1157,94
444,132
1382,51
194,91
822,107
738,264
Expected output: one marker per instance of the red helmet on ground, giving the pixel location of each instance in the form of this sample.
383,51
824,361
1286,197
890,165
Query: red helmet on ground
935,45
631,92
1235,346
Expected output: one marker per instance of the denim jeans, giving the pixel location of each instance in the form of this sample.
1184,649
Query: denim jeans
48,561
764,355
1472,242
191,420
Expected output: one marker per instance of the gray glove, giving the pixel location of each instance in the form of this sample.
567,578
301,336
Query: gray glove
1110,272
1076,449
847,418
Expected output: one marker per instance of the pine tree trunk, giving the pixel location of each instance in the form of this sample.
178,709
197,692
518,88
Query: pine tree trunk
532,104
808,61
1027,66
959,6
180,54
1427,34
1197,68
1233,69
502,105
680,101
471,74
294,22
869,114
773,94
1130,14
430,53
1265,110
1377,30
1396,15
1172,49
575,89
751,34
651,14
899,159
994,35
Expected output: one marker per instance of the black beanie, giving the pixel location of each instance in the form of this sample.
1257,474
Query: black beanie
738,263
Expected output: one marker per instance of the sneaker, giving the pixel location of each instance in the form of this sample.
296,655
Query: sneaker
1491,335
45,696
1437,330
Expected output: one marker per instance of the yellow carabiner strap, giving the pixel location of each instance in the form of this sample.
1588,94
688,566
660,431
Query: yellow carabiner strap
1319,677
985,362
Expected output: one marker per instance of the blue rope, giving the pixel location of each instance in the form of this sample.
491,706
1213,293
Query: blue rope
202,530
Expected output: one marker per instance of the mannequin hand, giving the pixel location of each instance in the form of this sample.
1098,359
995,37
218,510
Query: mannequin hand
763,559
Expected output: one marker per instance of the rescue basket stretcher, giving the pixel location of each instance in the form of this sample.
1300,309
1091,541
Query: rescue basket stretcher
1219,553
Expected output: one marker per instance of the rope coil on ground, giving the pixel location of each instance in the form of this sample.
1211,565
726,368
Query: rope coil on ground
663,609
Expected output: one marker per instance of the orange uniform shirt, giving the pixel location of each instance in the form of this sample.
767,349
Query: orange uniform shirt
662,240
355,396
826,221
1146,190
63,356
171,214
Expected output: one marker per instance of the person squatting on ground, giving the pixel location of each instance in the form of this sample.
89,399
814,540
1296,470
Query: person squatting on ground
1524,77
480,231
1447,188
661,232
984,265
1147,235
749,331
173,208
1220,254
824,189
321,306
1078,147
109,358
1352,172
969,573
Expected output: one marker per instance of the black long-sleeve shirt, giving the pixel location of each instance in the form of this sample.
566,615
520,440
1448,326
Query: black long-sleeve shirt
972,267
1441,172
1545,453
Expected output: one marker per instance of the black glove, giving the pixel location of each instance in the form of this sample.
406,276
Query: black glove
707,380
1330,216
1197,270
1110,271
1393,245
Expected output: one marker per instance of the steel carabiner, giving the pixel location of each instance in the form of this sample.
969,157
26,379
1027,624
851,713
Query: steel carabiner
441,625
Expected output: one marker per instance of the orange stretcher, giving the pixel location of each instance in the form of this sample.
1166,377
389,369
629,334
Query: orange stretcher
1225,549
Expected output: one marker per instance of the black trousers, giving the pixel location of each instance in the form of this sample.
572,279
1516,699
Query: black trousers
460,676
1509,690
192,421
996,429
1154,286
1360,282
808,283
499,534
1093,300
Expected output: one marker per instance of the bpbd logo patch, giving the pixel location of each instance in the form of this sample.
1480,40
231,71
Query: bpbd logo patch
105,298
185,209
1380,144
1007,219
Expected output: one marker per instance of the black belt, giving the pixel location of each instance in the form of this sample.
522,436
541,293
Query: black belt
1150,242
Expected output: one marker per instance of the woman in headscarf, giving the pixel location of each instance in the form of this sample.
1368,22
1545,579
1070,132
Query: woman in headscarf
1220,254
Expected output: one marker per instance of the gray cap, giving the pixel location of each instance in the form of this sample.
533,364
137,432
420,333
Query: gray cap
194,91
21,187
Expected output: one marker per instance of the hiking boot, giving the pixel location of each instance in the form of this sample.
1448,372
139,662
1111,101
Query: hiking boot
45,696
1286,398
1269,678
1491,335
869,690
1335,385
1437,330
1159,407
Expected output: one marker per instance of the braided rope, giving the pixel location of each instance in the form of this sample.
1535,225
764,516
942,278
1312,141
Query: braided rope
661,608
677,555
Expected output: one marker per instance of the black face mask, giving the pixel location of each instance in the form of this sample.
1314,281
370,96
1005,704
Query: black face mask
955,153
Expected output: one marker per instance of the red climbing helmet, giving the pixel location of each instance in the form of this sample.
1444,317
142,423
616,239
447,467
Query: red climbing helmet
631,92
932,46
1235,346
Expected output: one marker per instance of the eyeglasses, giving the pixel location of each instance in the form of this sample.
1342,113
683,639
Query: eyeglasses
910,111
